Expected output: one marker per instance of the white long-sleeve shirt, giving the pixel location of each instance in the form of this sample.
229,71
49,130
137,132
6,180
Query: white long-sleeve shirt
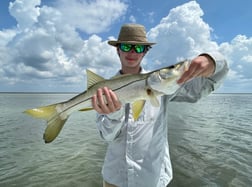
138,151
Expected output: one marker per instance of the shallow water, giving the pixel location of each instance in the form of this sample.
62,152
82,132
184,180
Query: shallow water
210,144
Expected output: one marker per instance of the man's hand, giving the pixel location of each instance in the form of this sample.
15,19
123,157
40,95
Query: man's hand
105,101
201,66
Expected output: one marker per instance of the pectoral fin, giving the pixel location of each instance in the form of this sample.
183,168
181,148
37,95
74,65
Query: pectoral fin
137,108
153,99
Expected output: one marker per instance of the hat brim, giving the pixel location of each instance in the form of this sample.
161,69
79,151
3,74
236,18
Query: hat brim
116,42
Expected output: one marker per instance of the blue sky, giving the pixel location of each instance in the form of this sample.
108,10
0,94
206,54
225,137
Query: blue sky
46,45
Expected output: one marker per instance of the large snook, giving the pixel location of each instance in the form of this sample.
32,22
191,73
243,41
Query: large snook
133,89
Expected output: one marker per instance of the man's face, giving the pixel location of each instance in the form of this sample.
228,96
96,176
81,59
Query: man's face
132,57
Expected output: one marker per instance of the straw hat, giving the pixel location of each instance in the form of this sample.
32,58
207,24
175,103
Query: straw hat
131,34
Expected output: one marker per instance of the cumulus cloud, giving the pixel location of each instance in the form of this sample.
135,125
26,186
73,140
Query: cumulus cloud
46,48
182,34
239,56
91,16
25,12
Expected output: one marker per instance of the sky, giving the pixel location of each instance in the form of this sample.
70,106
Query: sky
47,45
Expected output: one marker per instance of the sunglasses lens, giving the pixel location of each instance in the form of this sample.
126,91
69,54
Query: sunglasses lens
128,47
139,48
125,47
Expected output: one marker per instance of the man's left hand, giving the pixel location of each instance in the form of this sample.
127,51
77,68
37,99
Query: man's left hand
201,66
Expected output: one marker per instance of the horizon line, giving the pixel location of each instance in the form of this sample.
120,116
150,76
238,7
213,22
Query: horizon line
57,92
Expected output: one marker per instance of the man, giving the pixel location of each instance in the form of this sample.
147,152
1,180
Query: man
138,152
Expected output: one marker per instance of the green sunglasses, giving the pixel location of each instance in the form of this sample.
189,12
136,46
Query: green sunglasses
127,47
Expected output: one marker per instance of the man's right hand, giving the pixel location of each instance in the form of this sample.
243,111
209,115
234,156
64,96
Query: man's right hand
105,101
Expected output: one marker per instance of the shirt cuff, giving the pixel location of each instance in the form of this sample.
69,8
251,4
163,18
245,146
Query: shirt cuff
117,114
218,59
221,68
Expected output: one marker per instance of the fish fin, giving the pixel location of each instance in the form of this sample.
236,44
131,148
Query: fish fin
45,112
93,78
53,128
137,108
85,109
54,120
153,99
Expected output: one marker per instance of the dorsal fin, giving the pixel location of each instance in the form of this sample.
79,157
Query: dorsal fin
93,78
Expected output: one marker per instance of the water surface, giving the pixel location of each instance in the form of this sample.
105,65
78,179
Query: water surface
210,144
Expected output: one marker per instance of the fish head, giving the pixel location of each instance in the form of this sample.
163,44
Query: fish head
165,80
174,70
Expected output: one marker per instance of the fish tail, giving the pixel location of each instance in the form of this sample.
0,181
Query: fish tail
55,121
53,128
45,112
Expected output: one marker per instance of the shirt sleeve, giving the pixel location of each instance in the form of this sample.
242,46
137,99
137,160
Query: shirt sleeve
110,125
199,87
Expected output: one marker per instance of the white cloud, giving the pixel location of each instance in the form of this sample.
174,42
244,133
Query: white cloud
98,56
46,50
132,19
91,16
25,12
46,47
6,36
182,34
239,56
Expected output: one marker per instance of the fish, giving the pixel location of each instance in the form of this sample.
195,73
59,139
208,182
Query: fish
129,88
